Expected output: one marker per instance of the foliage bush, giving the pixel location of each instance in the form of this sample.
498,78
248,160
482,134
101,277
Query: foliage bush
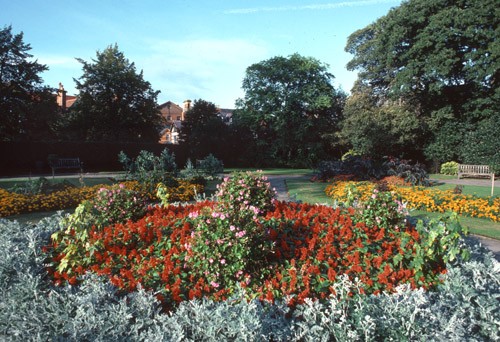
464,306
362,168
359,167
415,174
31,187
149,170
210,166
449,168
228,244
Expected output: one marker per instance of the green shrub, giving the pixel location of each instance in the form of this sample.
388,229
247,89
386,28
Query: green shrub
245,194
149,170
361,168
414,174
210,166
237,243
189,170
449,168
110,205
117,204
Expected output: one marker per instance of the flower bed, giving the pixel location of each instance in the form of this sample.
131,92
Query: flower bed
422,198
70,197
313,246
273,250
463,307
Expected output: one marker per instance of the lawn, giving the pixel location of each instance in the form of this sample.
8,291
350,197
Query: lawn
480,191
8,183
273,172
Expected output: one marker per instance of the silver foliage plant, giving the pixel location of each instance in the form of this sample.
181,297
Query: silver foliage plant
464,308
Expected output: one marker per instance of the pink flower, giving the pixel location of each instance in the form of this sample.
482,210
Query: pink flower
211,260
214,284
241,234
223,261
232,228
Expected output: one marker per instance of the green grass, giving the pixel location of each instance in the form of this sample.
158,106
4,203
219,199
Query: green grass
476,226
272,172
439,176
8,183
302,189
480,191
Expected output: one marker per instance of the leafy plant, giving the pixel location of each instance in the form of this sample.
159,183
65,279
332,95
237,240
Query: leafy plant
245,195
31,187
149,170
210,166
449,168
229,246
414,174
110,205
383,209
359,167
117,204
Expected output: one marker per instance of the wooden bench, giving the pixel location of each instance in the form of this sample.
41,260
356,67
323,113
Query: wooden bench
477,171
474,171
65,163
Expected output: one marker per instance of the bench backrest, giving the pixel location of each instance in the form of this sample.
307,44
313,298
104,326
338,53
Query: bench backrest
478,169
67,162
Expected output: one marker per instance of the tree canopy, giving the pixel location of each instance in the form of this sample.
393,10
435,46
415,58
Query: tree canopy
203,130
441,58
114,103
27,107
291,109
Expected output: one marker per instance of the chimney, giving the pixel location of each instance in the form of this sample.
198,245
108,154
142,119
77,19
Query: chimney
61,97
187,106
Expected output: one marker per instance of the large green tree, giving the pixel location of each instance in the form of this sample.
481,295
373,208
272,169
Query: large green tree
203,130
291,108
114,103
27,107
378,130
441,58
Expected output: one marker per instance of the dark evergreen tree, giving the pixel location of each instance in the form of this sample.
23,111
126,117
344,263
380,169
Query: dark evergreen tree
114,102
204,131
27,107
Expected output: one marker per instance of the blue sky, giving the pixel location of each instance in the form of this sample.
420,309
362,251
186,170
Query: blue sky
190,49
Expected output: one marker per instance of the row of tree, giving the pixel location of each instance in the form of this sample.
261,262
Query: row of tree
114,103
427,87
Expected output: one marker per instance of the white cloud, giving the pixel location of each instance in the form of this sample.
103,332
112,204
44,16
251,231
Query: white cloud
59,61
210,69
327,6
